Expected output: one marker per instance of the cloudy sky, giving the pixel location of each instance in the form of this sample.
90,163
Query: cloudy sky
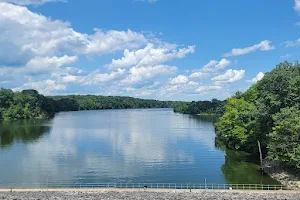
161,49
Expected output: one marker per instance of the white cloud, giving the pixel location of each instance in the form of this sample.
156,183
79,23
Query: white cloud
297,5
145,93
258,77
230,76
110,41
150,55
205,88
179,79
198,75
295,43
26,35
41,65
193,83
142,74
214,66
31,2
96,78
44,87
262,46
129,88
297,23
189,88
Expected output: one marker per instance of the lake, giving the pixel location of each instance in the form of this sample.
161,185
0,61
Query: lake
123,146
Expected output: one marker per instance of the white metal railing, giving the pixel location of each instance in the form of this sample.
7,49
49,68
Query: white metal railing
189,186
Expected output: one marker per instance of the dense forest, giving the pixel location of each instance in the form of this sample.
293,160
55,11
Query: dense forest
202,107
269,112
29,104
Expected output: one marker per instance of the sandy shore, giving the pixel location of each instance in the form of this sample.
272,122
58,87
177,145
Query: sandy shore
88,194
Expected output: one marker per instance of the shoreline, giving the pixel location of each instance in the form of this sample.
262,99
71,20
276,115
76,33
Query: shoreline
286,179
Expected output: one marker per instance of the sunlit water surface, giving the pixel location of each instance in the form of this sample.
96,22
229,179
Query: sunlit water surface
124,146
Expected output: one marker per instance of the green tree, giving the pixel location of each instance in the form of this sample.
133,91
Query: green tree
284,143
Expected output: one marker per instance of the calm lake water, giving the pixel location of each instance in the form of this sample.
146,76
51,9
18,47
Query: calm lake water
141,145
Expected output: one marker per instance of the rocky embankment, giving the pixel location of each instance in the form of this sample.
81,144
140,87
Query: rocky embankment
274,170
286,179
161,194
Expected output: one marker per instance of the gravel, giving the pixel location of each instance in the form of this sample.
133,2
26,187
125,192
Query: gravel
210,195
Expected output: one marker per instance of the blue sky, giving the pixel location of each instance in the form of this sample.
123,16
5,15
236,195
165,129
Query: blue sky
163,49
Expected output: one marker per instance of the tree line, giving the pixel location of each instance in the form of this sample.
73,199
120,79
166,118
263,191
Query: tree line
202,107
269,112
29,104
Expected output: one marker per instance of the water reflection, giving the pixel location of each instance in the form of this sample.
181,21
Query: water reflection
241,167
24,131
148,145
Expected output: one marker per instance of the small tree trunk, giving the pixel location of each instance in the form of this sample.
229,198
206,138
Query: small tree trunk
260,155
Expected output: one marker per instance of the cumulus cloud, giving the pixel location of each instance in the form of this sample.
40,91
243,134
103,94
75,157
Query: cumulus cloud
230,76
214,66
31,2
258,77
188,88
205,88
93,78
145,93
295,43
142,74
297,6
41,65
198,75
262,46
44,87
150,55
96,78
30,35
179,79
211,67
